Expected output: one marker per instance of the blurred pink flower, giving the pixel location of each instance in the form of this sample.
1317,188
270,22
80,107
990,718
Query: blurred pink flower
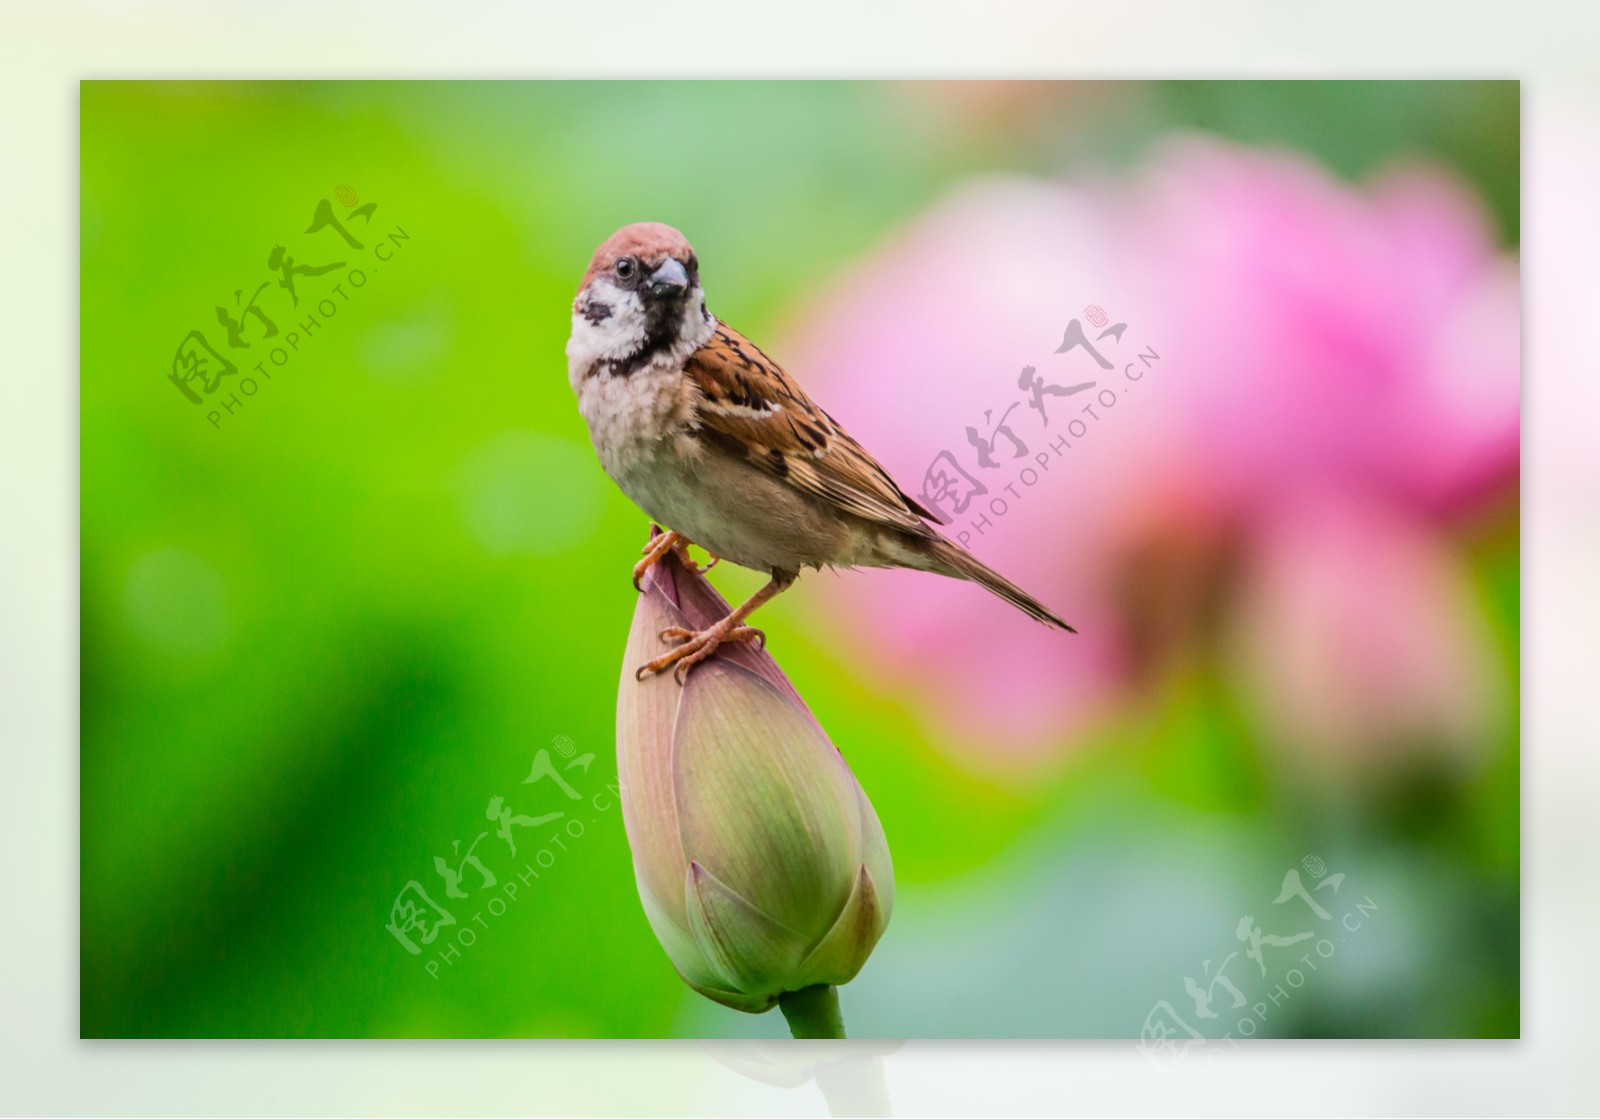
1309,338
1365,338
1357,641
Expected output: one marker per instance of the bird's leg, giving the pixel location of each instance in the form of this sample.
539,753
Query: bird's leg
658,547
695,646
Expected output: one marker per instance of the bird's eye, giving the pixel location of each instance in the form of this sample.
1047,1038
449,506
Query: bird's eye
625,268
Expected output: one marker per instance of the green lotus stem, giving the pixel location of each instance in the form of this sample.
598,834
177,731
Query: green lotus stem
813,1012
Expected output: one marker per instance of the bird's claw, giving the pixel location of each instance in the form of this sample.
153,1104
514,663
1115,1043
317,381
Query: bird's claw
652,552
695,646
658,547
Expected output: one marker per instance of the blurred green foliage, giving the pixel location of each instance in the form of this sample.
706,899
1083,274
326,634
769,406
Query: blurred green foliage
319,636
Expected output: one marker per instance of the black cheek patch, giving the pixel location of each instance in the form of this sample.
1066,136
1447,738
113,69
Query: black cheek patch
596,311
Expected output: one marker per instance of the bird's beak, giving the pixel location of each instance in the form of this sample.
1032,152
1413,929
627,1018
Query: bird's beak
670,280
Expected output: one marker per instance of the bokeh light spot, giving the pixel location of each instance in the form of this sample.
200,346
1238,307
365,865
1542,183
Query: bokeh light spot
177,602
528,493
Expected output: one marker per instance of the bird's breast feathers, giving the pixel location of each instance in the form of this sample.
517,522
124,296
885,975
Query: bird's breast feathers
723,445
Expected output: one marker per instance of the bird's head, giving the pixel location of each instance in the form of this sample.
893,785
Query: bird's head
640,300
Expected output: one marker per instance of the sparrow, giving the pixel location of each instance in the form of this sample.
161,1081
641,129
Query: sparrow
722,448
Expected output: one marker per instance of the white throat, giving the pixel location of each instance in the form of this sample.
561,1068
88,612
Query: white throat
610,327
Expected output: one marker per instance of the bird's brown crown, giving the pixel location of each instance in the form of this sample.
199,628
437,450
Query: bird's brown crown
650,242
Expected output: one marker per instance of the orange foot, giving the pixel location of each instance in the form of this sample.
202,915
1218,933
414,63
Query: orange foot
695,646
658,547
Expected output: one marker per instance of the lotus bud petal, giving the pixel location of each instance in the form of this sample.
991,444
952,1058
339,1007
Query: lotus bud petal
760,862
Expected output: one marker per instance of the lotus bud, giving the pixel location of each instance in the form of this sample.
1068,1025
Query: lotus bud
761,864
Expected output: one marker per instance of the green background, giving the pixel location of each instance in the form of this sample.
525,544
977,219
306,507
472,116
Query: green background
318,639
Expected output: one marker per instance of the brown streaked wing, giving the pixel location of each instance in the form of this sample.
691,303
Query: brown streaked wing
749,405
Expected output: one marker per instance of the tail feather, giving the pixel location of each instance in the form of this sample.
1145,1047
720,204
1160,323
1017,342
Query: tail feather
950,559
